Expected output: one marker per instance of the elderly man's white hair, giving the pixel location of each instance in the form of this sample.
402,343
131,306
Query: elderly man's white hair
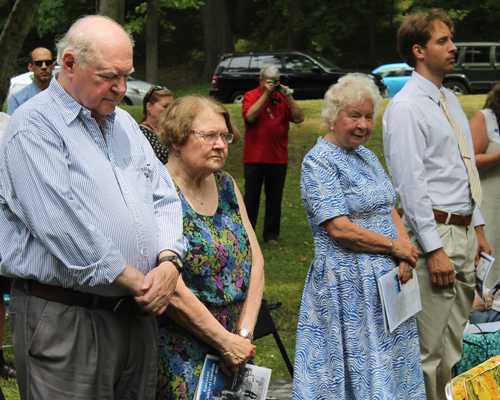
350,90
82,41
270,72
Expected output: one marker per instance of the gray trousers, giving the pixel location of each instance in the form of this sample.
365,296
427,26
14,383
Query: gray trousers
68,352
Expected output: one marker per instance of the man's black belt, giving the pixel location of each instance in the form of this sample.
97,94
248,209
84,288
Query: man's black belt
120,305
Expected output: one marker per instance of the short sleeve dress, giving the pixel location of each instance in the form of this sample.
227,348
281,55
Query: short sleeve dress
343,350
217,270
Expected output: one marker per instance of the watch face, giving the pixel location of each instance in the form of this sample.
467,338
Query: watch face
244,333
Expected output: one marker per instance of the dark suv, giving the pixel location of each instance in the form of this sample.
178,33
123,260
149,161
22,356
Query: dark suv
307,74
477,67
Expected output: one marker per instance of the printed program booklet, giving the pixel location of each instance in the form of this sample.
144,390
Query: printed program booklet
399,302
249,383
482,270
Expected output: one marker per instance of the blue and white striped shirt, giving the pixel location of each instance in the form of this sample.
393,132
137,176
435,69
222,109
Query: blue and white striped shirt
76,206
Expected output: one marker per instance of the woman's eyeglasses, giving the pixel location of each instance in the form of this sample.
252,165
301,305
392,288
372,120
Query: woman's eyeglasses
154,89
39,63
211,138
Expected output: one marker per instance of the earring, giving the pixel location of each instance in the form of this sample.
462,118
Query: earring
177,155
149,113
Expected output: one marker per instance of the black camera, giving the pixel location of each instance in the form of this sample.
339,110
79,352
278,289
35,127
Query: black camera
277,86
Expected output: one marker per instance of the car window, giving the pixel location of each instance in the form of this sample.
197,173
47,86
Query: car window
457,54
239,64
258,62
497,54
325,63
298,63
224,65
477,55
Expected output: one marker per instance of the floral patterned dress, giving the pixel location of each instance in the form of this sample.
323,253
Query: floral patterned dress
217,270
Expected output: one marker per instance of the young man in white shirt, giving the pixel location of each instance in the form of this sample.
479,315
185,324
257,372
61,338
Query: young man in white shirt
438,192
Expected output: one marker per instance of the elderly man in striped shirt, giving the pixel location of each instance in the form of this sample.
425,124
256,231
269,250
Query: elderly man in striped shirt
91,229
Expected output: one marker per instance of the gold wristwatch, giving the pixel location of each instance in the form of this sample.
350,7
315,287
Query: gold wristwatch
244,334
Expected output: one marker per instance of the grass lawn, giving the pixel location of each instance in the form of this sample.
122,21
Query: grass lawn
288,262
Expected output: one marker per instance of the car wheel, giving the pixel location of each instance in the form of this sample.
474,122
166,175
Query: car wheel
456,87
237,98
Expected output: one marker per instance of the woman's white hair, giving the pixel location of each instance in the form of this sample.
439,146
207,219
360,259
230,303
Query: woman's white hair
350,90
83,41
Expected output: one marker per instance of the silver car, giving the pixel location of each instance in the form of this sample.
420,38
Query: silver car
136,89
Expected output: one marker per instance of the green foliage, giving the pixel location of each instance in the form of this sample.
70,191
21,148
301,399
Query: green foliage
56,16
474,20
137,19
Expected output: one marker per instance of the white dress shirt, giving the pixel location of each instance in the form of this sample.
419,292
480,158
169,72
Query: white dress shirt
77,202
424,160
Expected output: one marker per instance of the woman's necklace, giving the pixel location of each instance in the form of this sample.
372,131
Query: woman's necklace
191,194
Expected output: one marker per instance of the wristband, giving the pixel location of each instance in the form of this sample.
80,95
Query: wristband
390,246
174,259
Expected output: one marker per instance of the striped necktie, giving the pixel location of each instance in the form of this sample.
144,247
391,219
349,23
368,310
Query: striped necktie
475,184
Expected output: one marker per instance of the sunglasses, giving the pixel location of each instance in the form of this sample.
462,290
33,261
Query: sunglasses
39,63
154,89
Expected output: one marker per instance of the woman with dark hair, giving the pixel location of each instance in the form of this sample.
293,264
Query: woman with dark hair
217,298
486,139
154,104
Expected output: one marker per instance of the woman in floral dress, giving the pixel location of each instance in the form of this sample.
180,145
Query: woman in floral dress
217,299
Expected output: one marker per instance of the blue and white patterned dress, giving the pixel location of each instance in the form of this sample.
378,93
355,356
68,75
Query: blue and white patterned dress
343,351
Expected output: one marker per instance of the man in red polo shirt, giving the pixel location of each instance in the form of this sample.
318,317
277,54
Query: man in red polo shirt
267,112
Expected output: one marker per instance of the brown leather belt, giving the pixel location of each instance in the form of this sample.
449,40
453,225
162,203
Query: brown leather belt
452,219
120,305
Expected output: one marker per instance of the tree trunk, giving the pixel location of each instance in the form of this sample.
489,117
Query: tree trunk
114,9
217,37
12,39
296,37
152,42
371,27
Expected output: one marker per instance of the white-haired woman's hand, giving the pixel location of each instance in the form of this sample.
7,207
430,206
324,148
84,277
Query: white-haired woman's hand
405,250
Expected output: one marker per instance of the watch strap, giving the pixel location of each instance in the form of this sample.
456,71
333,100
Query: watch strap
175,260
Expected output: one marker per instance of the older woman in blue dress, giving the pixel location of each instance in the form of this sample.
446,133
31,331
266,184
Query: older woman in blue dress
343,350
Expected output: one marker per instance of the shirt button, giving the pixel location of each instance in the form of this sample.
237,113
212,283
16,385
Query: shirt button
84,112
137,221
142,252
125,192
96,139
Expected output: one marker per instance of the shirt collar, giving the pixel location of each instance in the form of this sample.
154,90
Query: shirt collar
427,86
68,106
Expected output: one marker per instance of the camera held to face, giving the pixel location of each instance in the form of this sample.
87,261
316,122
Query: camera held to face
277,86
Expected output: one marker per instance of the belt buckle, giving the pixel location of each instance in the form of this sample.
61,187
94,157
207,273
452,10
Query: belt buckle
117,307
124,306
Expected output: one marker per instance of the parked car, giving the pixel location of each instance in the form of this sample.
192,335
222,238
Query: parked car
309,75
477,68
394,76
136,89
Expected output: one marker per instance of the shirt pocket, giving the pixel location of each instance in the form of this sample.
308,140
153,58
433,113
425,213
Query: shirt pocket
139,177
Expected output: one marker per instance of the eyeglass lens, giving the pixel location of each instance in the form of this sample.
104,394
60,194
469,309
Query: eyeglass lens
212,137
39,63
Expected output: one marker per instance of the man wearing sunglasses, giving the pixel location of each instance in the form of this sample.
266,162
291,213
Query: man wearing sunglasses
42,65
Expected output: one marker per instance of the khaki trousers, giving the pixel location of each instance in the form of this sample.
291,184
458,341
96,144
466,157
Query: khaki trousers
445,312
